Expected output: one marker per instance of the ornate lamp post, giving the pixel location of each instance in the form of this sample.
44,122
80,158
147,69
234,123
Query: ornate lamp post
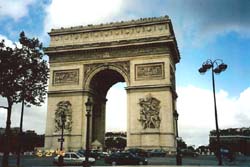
88,105
216,66
63,120
178,155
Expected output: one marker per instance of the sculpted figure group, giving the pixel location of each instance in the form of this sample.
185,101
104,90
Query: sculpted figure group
149,112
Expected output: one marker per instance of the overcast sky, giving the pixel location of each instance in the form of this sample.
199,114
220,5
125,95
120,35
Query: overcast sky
212,29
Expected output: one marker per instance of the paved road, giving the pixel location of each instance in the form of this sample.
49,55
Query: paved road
31,161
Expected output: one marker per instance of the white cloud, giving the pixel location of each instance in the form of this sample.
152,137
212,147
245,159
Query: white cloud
64,13
10,43
34,118
7,42
201,22
14,8
197,117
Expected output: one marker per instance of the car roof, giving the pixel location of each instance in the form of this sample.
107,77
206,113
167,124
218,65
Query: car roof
70,153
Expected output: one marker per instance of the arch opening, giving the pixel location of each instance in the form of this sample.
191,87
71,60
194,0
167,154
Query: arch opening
104,80
99,85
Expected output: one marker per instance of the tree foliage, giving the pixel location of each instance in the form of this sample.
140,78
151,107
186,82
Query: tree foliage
23,77
182,144
23,72
115,143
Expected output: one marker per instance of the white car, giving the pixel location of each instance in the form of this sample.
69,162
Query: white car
72,158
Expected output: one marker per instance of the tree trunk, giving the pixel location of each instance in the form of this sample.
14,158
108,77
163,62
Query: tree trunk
5,162
20,137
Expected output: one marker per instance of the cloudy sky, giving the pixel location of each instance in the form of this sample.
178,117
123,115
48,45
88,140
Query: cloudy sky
204,30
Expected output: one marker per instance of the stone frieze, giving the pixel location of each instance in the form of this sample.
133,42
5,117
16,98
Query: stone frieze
149,71
129,51
123,66
66,77
106,35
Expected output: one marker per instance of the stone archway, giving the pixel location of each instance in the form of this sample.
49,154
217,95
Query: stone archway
87,61
99,82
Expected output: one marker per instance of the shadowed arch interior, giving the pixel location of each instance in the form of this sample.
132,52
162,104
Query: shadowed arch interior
104,80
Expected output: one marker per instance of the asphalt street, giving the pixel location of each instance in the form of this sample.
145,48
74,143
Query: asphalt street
32,161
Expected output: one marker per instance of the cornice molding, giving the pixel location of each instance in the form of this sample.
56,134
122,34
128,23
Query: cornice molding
141,32
111,44
141,87
111,25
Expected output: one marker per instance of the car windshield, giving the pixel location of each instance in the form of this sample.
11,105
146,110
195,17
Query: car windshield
130,154
74,156
80,155
66,156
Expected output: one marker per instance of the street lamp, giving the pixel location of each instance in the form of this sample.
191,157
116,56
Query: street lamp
88,105
178,155
63,120
217,67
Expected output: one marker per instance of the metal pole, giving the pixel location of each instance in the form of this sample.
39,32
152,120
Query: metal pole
61,144
178,156
87,139
216,122
20,136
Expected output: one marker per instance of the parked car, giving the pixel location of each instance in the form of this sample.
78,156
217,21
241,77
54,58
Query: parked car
227,154
72,158
138,152
81,152
97,154
188,152
157,153
125,158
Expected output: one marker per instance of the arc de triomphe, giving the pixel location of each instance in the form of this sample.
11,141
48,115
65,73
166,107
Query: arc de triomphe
85,61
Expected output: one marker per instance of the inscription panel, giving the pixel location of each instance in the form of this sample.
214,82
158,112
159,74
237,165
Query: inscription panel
149,71
66,77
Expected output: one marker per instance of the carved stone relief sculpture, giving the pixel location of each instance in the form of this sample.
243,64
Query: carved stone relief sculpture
66,77
149,71
149,112
124,66
63,107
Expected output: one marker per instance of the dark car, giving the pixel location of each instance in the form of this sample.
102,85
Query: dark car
157,153
97,154
81,152
227,154
125,158
188,152
138,152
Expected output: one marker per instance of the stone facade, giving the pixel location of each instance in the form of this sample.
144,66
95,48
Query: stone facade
86,61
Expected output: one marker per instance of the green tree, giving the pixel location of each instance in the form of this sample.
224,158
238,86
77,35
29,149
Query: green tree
23,78
182,144
120,143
